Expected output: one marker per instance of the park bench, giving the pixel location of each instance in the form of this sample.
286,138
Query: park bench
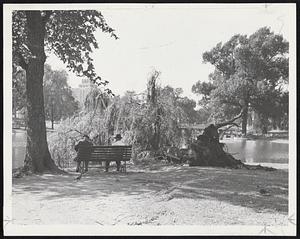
107,154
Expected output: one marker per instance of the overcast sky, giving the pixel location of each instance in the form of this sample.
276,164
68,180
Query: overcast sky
172,40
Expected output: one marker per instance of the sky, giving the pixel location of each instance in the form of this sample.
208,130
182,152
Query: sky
172,40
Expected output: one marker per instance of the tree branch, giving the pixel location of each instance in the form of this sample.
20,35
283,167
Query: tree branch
232,124
79,132
231,121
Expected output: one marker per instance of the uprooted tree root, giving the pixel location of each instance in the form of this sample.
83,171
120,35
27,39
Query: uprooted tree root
209,152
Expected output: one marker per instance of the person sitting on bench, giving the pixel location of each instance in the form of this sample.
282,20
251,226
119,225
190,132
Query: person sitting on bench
118,141
83,149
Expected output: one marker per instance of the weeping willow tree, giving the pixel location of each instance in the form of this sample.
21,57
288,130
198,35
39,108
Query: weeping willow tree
96,100
148,120
156,119
155,109
103,109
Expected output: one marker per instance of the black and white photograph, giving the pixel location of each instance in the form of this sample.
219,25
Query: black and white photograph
149,119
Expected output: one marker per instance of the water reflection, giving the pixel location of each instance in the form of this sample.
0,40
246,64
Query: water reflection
18,148
250,151
258,151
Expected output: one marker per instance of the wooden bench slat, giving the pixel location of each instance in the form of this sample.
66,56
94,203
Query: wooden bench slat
108,158
116,148
108,154
105,156
111,152
104,160
116,151
111,147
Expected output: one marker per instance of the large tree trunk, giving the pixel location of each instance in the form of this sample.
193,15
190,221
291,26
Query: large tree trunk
152,96
157,125
244,120
14,106
37,158
52,116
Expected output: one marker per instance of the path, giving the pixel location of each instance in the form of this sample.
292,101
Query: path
161,196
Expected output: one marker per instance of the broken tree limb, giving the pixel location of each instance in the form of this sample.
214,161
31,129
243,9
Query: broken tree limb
223,132
229,122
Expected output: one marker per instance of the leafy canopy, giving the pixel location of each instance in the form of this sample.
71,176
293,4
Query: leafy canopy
68,34
57,93
58,99
248,70
18,89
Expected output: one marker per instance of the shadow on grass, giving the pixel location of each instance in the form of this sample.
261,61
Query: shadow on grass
237,187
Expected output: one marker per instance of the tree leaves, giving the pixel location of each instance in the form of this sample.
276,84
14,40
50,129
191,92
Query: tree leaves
203,89
247,69
18,88
58,98
69,35
97,100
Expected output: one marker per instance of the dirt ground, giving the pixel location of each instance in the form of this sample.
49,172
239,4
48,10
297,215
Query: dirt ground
156,195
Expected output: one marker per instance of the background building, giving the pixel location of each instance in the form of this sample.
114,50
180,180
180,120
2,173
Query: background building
82,91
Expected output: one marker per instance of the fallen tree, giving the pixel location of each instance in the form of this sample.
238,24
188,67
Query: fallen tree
208,151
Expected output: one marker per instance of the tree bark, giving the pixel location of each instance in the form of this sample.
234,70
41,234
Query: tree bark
38,158
152,96
157,125
52,116
244,120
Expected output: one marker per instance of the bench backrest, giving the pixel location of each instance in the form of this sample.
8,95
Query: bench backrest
109,153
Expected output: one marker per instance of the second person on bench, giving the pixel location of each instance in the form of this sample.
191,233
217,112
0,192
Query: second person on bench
118,141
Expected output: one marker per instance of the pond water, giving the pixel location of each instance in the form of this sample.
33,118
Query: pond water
18,148
259,151
250,151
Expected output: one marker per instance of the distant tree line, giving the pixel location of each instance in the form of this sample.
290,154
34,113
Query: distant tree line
59,102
